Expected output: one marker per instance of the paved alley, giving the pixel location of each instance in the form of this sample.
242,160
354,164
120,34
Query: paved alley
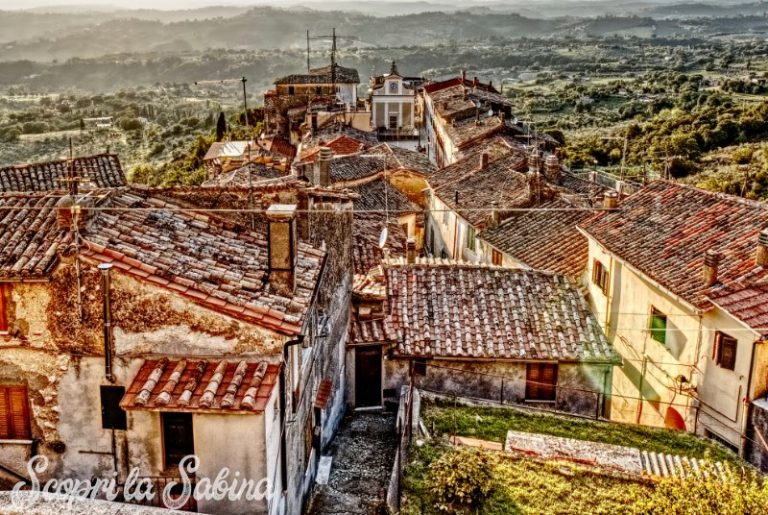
363,453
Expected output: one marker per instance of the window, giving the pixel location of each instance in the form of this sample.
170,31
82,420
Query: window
658,325
600,276
393,87
496,258
393,121
3,306
308,433
291,90
470,237
318,90
419,367
541,382
112,415
725,350
178,440
14,413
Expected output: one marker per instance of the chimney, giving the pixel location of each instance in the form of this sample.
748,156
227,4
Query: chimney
324,166
484,160
552,168
534,162
711,262
533,185
610,199
477,115
463,75
71,213
761,258
474,82
282,243
411,250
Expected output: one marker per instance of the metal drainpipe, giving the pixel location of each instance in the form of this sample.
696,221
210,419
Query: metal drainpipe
283,418
105,295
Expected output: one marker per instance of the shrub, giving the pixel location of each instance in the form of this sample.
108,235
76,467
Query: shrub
737,493
461,481
742,155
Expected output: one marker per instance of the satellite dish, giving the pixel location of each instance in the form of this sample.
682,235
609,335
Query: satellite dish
383,238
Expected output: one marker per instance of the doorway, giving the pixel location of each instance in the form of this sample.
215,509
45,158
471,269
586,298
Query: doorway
368,376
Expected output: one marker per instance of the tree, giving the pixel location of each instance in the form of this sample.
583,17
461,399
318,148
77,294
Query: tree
221,127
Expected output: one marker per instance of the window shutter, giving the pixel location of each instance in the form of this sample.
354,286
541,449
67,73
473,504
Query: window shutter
716,347
5,412
19,412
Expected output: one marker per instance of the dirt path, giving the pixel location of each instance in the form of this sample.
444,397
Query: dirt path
363,453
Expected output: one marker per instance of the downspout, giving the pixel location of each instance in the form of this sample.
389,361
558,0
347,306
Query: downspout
105,295
747,400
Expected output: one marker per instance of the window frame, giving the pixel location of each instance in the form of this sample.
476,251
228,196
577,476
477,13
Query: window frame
723,340
167,464
470,241
14,433
496,257
657,314
600,276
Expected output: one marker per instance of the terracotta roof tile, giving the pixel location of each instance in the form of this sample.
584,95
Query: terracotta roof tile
202,385
470,311
98,171
340,145
665,229
545,240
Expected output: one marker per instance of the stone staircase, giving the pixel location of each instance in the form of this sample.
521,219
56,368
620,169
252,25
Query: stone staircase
665,465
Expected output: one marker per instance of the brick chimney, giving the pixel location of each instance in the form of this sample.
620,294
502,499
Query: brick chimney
552,168
282,247
761,256
533,185
323,166
534,162
711,264
411,250
610,199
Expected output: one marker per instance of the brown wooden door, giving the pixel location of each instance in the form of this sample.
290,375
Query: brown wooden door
541,382
367,376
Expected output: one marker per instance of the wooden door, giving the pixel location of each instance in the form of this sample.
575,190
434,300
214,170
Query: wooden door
367,376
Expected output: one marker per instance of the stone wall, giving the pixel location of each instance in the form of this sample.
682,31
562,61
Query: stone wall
504,382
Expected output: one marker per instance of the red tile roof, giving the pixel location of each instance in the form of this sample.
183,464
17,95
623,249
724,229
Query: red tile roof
472,311
216,263
202,385
341,145
545,240
665,228
747,303
98,171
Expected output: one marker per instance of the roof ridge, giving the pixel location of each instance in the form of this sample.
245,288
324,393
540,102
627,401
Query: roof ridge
719,194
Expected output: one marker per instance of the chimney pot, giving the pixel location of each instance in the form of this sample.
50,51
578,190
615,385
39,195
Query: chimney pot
711,264
534,185
552,168
610,199
761,258
411,250
282,247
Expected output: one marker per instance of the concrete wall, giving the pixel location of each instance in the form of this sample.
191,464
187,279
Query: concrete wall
505,382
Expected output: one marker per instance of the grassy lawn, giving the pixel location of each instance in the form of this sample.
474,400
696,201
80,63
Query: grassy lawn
525,486
489,423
